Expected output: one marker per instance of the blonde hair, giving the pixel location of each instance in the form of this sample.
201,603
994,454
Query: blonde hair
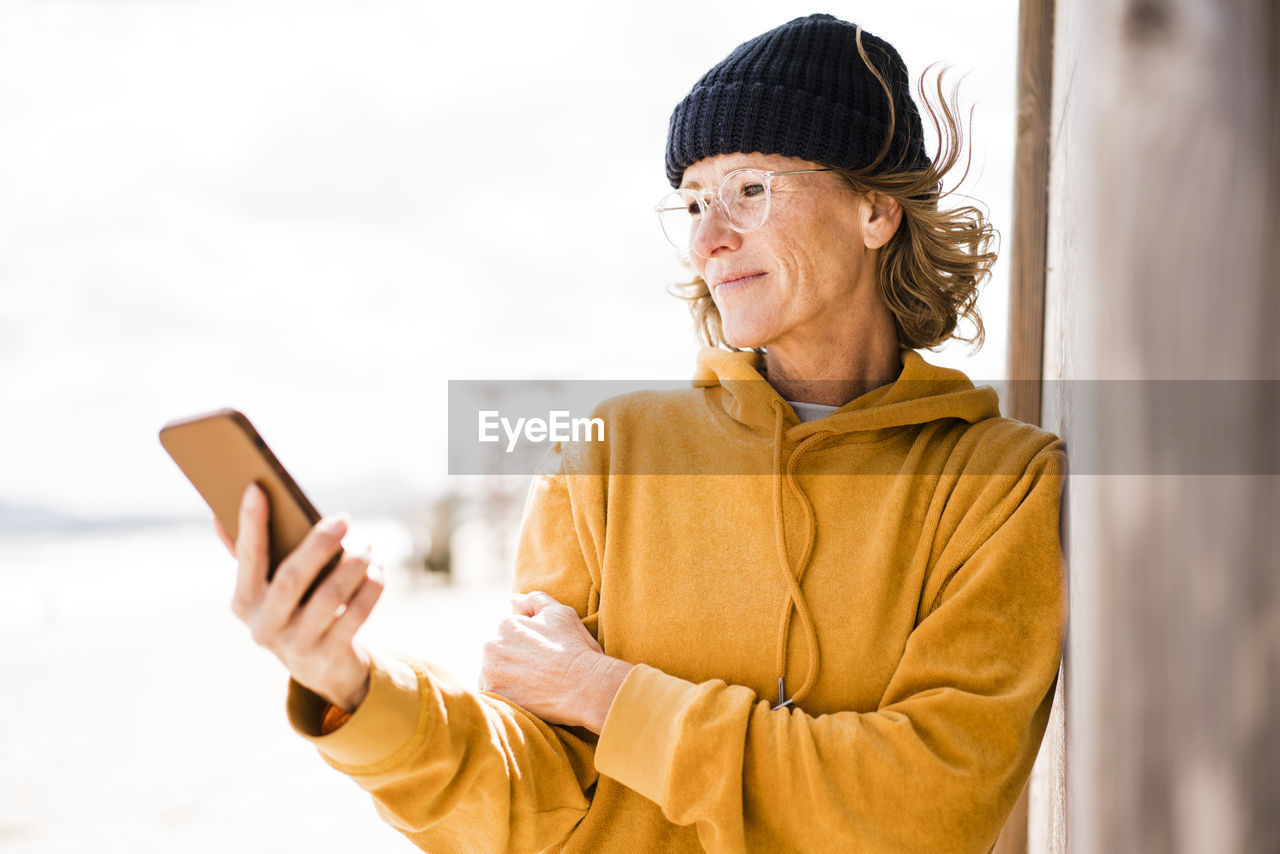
929,272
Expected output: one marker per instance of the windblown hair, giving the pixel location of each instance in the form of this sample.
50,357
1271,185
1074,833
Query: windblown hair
930,270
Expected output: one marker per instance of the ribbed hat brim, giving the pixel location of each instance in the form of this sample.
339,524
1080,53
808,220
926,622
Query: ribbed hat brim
772,119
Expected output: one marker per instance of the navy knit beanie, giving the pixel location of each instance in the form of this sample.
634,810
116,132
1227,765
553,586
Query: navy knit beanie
801,90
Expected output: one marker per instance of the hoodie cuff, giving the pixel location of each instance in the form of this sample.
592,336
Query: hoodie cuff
638,742
383,723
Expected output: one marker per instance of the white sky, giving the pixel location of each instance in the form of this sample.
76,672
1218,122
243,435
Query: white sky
321,212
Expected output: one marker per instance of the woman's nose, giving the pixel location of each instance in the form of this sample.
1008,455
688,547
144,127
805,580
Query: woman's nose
713,233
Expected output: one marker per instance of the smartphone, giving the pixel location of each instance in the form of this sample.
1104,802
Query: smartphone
221,454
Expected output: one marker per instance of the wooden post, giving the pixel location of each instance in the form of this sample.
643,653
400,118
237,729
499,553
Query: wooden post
1175,631
1030,210
1027,280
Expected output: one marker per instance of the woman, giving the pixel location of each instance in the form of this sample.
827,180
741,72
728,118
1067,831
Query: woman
813,603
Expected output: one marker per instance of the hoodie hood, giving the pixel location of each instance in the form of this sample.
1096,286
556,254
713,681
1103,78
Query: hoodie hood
921,393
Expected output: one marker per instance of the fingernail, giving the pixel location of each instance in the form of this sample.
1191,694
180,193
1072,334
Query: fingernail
252,495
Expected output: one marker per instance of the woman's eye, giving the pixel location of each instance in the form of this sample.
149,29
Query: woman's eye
695,209
752,190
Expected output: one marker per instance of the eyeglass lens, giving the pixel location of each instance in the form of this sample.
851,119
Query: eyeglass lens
744,202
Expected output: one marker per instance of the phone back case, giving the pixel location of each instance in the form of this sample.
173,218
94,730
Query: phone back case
221,454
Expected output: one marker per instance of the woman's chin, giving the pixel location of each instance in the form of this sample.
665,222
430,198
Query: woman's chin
744,341
742,338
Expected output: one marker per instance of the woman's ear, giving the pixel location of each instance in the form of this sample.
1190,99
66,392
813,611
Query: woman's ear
883,216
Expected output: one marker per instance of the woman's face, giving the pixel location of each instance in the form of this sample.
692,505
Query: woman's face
798,281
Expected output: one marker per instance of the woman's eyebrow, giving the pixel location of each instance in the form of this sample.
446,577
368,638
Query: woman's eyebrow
694,184
691,184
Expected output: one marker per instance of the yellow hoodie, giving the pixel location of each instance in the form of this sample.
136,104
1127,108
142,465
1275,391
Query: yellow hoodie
896,563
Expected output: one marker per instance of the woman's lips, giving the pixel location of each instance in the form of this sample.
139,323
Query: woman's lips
738,282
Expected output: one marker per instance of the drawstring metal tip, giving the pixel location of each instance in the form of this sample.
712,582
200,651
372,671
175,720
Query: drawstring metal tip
783,702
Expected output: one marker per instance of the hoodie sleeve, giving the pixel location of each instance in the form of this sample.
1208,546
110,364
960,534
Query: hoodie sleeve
936,767
458,770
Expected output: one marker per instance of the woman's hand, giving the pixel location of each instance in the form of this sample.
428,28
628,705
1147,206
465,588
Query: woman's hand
314,641
545,660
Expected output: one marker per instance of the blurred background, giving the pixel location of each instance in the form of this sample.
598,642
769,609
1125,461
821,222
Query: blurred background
320,213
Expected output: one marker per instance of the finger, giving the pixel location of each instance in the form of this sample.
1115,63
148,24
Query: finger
344,629
224,536
296,572
529,604
514,628
311,621
251,552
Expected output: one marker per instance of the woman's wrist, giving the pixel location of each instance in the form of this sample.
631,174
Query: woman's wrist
348,692
353,698
603,690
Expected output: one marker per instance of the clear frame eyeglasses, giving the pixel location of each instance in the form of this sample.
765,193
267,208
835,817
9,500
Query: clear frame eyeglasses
742,199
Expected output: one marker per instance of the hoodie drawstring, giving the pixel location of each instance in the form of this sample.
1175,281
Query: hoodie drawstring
793,576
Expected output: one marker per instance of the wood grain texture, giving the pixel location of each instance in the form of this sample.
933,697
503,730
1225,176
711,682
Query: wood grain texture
1068,334
1030,209
1026,298
1176,578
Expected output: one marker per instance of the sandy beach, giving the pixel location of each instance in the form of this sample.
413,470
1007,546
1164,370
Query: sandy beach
149,722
